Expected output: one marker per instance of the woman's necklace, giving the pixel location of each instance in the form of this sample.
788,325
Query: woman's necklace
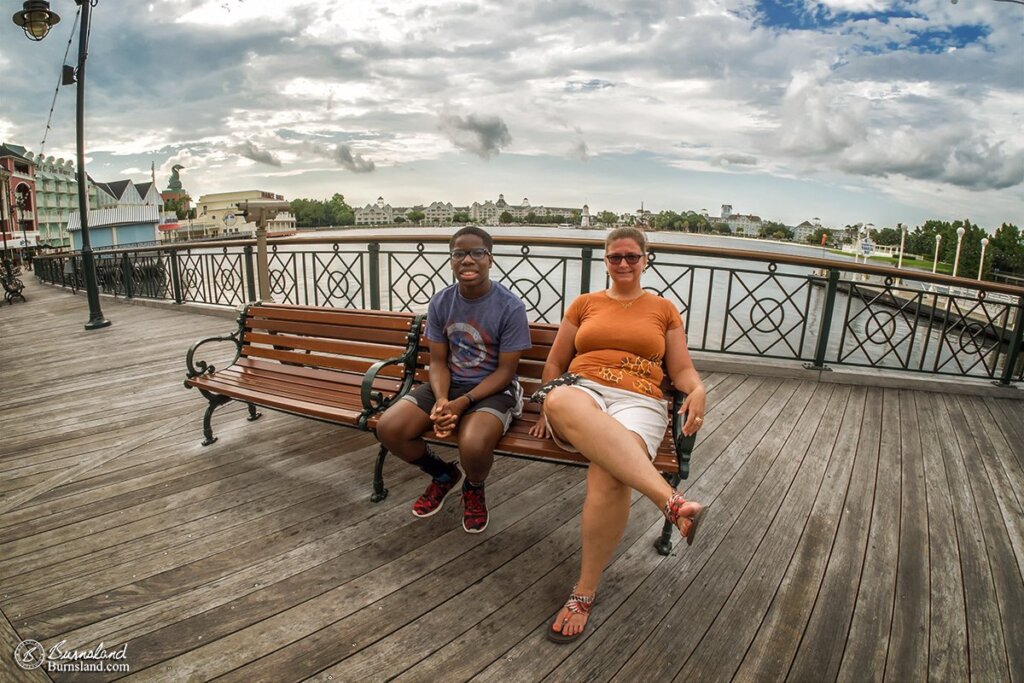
625,304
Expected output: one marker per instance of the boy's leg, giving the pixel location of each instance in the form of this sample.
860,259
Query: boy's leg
478,435
400,430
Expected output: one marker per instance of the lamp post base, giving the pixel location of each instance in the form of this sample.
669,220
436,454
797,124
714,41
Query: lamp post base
96,323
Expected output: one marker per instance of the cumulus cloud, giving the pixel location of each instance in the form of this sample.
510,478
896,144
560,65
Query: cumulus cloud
342,155
484,136
249,150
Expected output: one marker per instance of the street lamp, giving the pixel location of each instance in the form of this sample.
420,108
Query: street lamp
903,240
935,263
981,264
959,243
37,19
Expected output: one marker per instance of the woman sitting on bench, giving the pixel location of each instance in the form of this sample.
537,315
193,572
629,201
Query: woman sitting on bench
610,408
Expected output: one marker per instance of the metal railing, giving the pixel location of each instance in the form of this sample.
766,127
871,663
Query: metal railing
823,312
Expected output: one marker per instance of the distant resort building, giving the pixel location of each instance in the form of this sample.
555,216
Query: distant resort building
745,225
18,208
482,213
217,215
121,212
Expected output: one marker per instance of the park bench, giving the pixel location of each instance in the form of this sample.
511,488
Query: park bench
12,285
672,460
328,364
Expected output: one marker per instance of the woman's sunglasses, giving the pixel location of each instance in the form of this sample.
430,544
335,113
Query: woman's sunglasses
631,259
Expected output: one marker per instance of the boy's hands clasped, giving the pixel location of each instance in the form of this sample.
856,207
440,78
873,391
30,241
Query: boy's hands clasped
445,415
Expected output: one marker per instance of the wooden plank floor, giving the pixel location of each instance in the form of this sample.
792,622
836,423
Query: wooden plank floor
852,533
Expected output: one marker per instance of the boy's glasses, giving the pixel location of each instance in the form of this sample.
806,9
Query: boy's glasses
478,254
631,259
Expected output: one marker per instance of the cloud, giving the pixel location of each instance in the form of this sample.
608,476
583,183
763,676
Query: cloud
579,151
249,150
736,160
482,135
588,86
342,155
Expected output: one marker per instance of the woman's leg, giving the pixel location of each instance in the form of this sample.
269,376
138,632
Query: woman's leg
605,513
605,442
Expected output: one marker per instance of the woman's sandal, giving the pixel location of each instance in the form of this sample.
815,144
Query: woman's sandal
576,604
674,513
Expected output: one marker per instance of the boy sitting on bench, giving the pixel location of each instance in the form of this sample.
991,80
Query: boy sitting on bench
476,329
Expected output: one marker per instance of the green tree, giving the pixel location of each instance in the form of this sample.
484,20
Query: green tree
506,217
399,219
1006,250
179,205
722,228
775,230
460,217
531,217
338,212
415,216
889,237
607,218
695,222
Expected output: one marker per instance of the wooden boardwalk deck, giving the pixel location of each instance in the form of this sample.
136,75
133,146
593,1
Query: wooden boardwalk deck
853,533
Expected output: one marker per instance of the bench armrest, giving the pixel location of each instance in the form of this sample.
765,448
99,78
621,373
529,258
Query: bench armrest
684,444
195,368
374,401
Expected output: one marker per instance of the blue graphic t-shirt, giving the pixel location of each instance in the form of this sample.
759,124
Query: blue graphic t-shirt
477,330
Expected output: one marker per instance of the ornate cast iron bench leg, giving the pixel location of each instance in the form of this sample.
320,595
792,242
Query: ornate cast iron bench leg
379,492
253,413
215,401
664,543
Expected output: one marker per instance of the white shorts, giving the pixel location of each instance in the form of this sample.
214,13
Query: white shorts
643,415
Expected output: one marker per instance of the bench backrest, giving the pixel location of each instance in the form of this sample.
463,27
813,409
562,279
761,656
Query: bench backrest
328,338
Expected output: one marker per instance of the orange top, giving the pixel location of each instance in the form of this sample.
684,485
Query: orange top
622,345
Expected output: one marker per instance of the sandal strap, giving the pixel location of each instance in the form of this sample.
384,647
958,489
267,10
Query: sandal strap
579,604
674,507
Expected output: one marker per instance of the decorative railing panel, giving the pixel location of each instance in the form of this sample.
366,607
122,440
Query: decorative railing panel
736,303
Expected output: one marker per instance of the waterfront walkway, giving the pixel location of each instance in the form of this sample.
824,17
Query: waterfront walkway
852,533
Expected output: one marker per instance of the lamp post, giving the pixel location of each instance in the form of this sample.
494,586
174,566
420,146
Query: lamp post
959,243
903,240
37,19
935,263
981,264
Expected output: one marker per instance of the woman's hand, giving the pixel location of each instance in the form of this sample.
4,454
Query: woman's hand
540,428
693,408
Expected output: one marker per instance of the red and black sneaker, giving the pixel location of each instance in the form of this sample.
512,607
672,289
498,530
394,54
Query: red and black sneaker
433,498
474,518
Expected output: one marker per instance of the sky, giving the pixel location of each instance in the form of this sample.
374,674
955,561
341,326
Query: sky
850,111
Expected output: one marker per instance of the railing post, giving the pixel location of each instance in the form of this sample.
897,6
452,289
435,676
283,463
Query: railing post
1013,352
826,322
374,275
126,275
176,277
250,278
587,255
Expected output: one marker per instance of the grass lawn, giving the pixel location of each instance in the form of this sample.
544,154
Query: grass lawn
944,268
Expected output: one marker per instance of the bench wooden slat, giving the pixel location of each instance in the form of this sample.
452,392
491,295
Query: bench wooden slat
317,360
305,314
314,377
361,333
335,346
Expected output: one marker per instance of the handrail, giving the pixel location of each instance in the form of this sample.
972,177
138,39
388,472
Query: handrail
681,249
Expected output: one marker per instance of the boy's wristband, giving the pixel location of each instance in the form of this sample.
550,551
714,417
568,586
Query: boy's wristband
469,397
